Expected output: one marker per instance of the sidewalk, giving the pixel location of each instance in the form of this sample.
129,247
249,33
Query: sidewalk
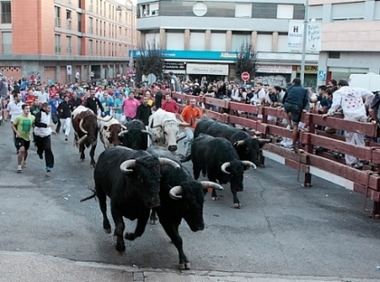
31,267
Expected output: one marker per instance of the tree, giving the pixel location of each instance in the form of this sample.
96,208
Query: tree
246,60
149,61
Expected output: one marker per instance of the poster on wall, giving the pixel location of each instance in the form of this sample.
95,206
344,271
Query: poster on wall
295,35
313,38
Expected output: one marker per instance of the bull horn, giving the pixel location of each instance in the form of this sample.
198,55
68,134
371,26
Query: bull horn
121,133
123,127
248,163
81,140
104,119
169,162
263,140
176,192
184,124
81,127
224,167
238,143
127,166
211,184
147,132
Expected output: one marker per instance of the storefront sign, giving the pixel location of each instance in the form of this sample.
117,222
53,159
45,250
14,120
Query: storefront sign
216,69
193,55
174,66
273,69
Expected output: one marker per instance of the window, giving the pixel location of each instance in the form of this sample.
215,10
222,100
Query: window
285,11
91,7
91,25
57,16
299,12
334,55
348,11
69,49
90,47
7,43
79,42
218,41
79,22
243,10
240,39
68,19
197,40
57,39
97,27
264,10
6,12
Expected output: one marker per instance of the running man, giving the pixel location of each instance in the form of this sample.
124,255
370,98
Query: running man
22,127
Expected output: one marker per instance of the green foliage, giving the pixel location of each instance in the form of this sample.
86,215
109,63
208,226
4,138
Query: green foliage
246,60
149,61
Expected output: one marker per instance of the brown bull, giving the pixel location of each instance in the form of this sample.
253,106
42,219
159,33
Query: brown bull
85,125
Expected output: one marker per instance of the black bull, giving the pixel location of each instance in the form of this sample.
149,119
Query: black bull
131,179
216,157
247,147
181,198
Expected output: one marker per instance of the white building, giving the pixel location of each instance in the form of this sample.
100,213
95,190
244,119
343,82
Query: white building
350,37
201,37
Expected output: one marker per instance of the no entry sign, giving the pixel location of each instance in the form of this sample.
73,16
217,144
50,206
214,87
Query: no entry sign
245,76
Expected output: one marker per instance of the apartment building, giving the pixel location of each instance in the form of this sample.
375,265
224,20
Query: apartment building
57,39
202,37
350,37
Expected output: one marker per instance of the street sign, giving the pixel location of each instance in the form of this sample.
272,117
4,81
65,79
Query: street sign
322,75
245,76
69,70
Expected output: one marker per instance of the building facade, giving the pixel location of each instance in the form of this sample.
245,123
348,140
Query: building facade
350,37
60,39
202,37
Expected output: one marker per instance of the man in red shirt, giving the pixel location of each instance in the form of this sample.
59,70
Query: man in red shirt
170,105
191,113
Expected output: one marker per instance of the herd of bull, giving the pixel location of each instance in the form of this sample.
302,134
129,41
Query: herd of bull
144,181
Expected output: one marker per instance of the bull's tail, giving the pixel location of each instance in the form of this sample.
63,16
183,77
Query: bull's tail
89,197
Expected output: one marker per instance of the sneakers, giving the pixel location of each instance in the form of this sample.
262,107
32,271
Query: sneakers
19,169
66,138
48,171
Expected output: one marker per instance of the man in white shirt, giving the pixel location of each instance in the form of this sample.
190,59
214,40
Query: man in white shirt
351,101
14,109
41,94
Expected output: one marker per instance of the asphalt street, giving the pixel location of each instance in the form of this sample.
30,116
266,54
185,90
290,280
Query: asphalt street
281,229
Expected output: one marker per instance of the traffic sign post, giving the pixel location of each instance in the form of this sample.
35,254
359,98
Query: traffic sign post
245,76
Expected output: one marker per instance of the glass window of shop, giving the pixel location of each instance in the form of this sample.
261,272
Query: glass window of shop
264,10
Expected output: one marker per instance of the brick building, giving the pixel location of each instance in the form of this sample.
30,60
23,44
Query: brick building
59,38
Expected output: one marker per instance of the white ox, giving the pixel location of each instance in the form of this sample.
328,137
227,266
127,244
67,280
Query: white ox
110,130
164,127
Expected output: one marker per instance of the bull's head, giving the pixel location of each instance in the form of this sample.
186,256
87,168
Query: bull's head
135,138
145,177
170,130
191,194
235,170
89,128
249,149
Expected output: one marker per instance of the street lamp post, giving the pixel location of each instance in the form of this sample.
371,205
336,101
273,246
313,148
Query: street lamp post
305,23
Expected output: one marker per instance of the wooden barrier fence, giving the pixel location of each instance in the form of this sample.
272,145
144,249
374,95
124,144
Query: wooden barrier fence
366,181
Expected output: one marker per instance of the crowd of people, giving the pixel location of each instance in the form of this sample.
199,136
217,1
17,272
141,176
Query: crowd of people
44,109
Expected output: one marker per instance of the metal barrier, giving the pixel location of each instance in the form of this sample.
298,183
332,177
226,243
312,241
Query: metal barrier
366,181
